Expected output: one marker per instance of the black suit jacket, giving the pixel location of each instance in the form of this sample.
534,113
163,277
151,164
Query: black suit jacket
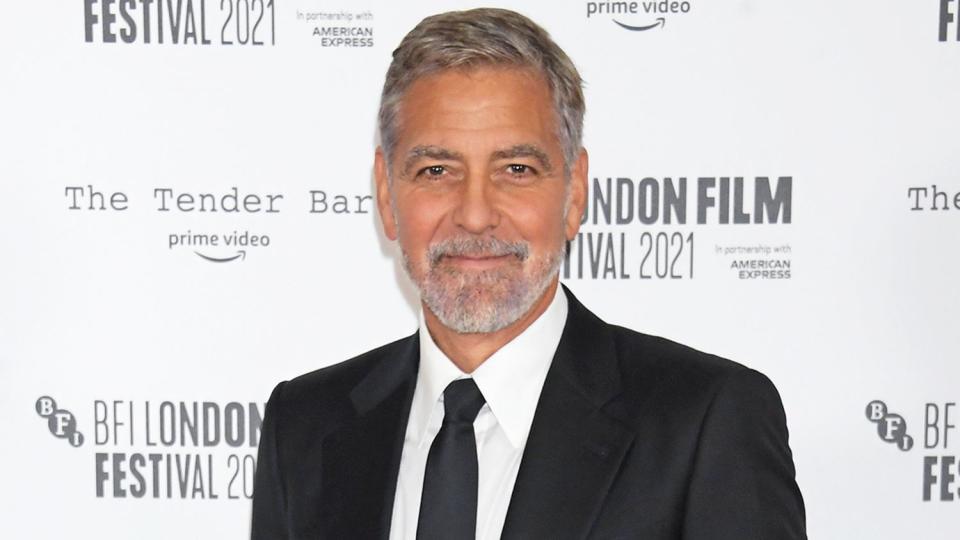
634,436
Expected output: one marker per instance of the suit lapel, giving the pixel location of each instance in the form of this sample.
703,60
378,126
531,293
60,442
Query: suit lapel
575,448
361,458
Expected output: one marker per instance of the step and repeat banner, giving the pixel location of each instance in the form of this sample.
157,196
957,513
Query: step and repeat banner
187,219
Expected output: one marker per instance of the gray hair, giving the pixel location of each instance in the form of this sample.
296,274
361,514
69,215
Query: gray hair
484,37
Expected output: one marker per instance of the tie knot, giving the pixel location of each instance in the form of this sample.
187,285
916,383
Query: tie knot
462,401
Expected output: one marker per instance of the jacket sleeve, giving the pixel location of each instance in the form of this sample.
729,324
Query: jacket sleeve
743,483
269,519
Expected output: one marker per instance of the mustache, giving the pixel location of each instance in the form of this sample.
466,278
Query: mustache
476,246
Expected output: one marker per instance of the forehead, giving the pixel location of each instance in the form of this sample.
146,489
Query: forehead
473,107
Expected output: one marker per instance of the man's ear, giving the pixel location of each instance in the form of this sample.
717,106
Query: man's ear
577,199
384,206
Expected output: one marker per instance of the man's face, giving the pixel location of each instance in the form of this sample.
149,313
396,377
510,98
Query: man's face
477,196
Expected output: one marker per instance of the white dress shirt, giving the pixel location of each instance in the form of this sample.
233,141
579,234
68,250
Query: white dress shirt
511,381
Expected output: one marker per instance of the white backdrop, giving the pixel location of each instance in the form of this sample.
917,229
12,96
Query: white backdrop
129,333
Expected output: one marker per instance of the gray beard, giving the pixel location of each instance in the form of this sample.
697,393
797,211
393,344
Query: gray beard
485,301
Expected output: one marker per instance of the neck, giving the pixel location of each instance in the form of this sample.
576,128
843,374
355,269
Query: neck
468,351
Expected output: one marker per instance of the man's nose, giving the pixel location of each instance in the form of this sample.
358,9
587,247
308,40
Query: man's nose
477,212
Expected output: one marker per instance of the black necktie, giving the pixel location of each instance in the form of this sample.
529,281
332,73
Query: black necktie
448,506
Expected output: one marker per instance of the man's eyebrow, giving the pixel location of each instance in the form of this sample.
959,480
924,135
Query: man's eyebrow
428,151
525,150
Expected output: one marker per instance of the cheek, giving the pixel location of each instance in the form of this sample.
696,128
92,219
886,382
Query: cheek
418,220
540,222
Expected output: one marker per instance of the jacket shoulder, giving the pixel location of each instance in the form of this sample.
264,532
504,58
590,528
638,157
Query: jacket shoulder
328,389
642,353
656,370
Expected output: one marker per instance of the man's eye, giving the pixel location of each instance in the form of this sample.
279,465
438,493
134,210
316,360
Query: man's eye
519,169
433,170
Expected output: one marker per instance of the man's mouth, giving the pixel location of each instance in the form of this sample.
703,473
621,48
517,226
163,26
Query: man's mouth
478,261
476,253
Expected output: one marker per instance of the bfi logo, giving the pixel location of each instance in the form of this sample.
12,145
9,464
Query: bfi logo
61,422
891,427
948,17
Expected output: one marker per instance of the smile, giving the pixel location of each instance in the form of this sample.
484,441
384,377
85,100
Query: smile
478,262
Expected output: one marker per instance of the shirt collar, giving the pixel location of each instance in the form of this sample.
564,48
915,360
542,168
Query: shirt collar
511,379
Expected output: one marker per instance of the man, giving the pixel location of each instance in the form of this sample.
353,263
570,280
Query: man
513,412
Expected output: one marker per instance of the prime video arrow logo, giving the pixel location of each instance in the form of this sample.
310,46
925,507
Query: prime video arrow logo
660,22
241,254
